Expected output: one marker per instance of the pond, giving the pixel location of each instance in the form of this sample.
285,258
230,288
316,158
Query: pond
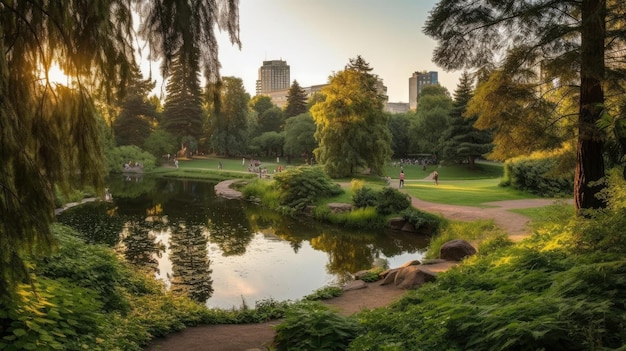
226,252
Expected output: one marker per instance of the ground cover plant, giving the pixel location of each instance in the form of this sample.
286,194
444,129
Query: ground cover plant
560,289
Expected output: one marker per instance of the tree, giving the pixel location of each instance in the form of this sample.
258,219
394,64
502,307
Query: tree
351,127
399,125
137,118
431,120
229,119
296,100
183,114
271,120
570,42
461,140
50,132
261,103
299,135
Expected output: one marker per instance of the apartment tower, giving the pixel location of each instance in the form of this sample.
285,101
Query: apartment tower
273,76
417,81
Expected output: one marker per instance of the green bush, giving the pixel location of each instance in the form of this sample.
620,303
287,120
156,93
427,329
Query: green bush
301,187
124,154
365,197
422,220
541,173
391,200
313,326
372,275
366,217
325,293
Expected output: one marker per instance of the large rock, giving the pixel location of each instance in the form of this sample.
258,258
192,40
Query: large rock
456,250
396,223
412,277
354,285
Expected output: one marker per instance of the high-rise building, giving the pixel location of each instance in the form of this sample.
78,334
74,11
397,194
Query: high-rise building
273,76
417,81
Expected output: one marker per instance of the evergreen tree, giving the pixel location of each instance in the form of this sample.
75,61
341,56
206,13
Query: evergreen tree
462,141
296,100
570,43
352,129
137,118
399,125
183,115
229,119
50,134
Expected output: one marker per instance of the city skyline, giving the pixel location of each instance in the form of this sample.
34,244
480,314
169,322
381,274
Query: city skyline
318,38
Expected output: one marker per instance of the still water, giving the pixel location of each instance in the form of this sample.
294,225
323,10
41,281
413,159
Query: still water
224,252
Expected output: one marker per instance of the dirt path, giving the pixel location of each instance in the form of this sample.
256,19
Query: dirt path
250,337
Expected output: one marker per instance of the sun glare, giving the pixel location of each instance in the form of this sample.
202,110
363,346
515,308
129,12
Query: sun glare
57,76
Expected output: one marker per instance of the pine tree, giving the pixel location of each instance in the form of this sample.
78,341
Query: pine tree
137,118
229,122
296,100
183,115
463,142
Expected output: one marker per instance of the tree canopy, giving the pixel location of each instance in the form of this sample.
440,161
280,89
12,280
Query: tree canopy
230,123
50,132
352,129
550,44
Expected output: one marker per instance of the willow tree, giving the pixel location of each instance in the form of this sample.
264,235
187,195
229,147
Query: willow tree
352,129
49,133
557,43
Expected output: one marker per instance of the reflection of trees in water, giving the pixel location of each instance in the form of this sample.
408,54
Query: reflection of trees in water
96,222
393,243
140,246
229,226
347,253
191,272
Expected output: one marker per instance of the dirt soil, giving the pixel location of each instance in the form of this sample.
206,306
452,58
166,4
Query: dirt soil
256,337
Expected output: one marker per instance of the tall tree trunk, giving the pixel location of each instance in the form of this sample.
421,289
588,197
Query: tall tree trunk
589,161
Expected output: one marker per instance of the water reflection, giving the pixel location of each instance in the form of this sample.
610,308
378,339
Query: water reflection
225,251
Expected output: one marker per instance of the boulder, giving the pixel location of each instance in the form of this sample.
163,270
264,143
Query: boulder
456,250
412,277
389,276
396,223
411,263
354,285
408,227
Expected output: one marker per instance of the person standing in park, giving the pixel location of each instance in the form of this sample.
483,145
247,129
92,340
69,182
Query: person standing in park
436,177
401,179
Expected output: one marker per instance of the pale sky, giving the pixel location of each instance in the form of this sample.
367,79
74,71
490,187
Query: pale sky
317,38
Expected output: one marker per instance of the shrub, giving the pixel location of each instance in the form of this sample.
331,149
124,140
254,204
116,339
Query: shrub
301,187
325,293
313,326
365,197
366,217
543,173
391,200
124,154
372,274
422,220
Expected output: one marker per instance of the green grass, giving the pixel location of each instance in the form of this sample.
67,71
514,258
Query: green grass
483,170
463,192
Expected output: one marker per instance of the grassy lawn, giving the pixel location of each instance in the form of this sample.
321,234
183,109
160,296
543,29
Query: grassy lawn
458,184
463,192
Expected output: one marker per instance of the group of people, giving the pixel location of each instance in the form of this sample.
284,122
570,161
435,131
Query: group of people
434,175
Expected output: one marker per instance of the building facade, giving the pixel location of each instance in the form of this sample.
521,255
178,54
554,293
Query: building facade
417,81
274,76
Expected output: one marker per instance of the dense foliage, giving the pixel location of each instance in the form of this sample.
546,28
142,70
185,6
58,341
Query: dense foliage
50,132
296,100
540,62
541,173
83,297
313,326
303,186
352,129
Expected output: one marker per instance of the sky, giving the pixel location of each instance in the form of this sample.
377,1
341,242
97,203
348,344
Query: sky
318,38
